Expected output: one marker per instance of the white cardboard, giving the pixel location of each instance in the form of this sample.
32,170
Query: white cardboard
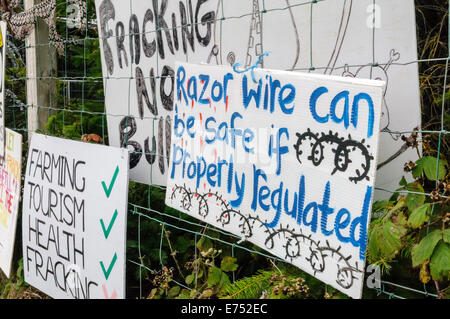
301,165
10,187
343,40
75,250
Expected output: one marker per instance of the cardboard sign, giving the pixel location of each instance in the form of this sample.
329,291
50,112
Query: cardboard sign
2,85
287,163
74,218
139,76
10,183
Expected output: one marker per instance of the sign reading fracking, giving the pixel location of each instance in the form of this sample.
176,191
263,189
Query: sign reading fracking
285,160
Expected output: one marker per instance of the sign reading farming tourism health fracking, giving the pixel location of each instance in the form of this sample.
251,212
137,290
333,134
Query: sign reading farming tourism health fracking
10,182
285,160
74,218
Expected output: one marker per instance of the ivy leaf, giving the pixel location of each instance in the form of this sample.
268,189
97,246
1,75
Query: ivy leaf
414,200
419,216
423,251
430,168
440,262
228,264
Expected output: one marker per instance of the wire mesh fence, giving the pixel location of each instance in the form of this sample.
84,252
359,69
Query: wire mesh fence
76,107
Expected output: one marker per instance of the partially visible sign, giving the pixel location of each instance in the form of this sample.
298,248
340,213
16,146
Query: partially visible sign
74,218
137,64
2,85
10,183
287,163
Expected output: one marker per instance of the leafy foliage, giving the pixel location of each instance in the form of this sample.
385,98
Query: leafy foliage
415,225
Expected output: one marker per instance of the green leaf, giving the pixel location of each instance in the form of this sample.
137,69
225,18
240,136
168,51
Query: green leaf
373,245
425,248
173,292
381,205
430,168
419,216
190,279
184,294
214,276
193,293
403,181
390,239
228,264
207,293
446,235
414,200
385,240
440,262
224,281
400,204
204,244
400,220
418,170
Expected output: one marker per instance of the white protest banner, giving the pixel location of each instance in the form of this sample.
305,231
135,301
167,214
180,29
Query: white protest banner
2,85
10,183
336,37
287,163
74,218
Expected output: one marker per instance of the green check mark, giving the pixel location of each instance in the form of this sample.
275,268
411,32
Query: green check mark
106,231
108,190
111,266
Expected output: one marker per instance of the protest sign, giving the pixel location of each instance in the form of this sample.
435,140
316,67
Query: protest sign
287,161
2,85
10,183
141,39
74,218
